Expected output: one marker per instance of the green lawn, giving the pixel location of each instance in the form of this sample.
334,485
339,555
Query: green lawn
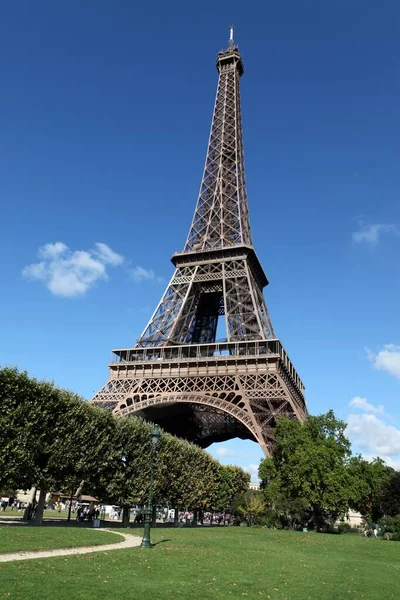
48,514
217,563
17,539
63,514
55,514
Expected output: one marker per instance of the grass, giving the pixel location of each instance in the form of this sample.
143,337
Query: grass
55,514
18,539
217,563
47,514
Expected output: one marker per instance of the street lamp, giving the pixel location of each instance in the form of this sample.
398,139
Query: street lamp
155,438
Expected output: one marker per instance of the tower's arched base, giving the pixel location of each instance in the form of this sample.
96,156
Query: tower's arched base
232,390
198,423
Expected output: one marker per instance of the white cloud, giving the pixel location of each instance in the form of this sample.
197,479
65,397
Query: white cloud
391,462
363,404
69,273
253,470
222,451
139,274
105,254
370,234
387,359
373,436
228,452
51,251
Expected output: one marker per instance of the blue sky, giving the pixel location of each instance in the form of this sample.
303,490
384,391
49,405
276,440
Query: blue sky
105,109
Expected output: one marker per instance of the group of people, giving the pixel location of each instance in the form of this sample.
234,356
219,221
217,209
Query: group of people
204,518
371,532
87,512
15,505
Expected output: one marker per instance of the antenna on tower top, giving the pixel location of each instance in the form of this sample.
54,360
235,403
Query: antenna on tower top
231,36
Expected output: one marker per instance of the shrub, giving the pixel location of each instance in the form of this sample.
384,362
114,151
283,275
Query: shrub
344,527
270,520
390,528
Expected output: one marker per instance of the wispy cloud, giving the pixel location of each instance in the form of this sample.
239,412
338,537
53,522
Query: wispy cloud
105,254
363,404
391,462
371,234
69,273
138,274
387,359
229,453
253,470
373,435
369,432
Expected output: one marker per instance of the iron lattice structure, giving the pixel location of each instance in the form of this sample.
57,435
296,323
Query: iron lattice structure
178,374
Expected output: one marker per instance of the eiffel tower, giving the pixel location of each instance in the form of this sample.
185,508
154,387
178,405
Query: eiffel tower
179,374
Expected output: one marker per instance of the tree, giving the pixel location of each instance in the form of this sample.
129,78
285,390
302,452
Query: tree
391,495
252,507
27,420
124,474
51,438
232,480
81,444
370,481
173,471
310,463
203,479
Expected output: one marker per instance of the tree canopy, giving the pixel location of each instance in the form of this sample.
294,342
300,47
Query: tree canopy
310,463
52,439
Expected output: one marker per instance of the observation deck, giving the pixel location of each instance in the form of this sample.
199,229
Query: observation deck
173,360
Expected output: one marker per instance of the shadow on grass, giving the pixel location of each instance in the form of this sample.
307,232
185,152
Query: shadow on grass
161,541
73,523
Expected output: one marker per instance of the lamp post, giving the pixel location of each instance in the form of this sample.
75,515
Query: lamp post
155,438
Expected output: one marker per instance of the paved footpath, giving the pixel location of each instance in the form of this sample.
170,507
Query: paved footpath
130,541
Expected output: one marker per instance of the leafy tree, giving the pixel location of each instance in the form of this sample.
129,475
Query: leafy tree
123,474
51,438
369,481
310,463
292,513
252,507
203,479
289,511
80,445
232,481
391,495
390,526
186,475
27,421
174,471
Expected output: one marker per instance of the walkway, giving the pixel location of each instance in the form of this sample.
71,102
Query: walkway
130,541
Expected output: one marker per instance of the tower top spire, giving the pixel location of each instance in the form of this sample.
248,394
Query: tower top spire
221,216
231,42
